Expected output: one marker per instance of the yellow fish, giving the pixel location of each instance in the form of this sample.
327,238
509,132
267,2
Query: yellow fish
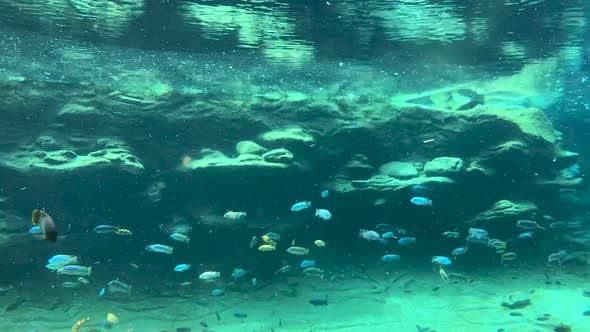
267,247
267,240
112,319
319,243
80,324
123,231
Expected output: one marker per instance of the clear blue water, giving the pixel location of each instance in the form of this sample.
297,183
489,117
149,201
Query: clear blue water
398,119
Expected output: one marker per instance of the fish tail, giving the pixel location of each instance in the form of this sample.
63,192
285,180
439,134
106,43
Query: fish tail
89,270
307,251
170,250
35,217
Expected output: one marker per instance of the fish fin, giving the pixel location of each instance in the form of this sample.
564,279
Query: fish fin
35,217
89,270
50,235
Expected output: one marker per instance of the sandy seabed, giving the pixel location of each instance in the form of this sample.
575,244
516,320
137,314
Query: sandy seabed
370,301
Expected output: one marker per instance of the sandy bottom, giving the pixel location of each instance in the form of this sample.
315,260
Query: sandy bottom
373,301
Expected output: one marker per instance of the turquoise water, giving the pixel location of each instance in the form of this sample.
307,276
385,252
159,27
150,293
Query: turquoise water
294,166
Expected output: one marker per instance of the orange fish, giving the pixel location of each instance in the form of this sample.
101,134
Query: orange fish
46,223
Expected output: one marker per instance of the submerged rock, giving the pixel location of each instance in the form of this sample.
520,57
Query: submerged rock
358,166
278,156
213,159
444,166
249,147
399,170
286,137
504,211
58,161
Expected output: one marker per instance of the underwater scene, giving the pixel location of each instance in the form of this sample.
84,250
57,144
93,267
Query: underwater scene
294,165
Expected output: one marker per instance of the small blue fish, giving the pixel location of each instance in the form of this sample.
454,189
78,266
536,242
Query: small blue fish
421,201
238,273
299,206
273,236
407,240
450,234
285,269
217,292
71,284
160,248
102,292
182,267
240,315
54,267
63,260
180,237
323,214
307,263
35,230
459,251
525,235
254,282
391,258
325,193
379,201
105,229
75,270
441,260
388,235
420,190
117,286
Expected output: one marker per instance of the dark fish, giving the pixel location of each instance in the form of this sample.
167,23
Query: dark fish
422,329
515,314
586,313
55,305
517,304
46,223
562,328
15,305
218,316
204,324
183,329
318,301
240,314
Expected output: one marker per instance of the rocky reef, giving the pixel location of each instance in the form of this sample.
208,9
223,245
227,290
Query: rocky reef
144,145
